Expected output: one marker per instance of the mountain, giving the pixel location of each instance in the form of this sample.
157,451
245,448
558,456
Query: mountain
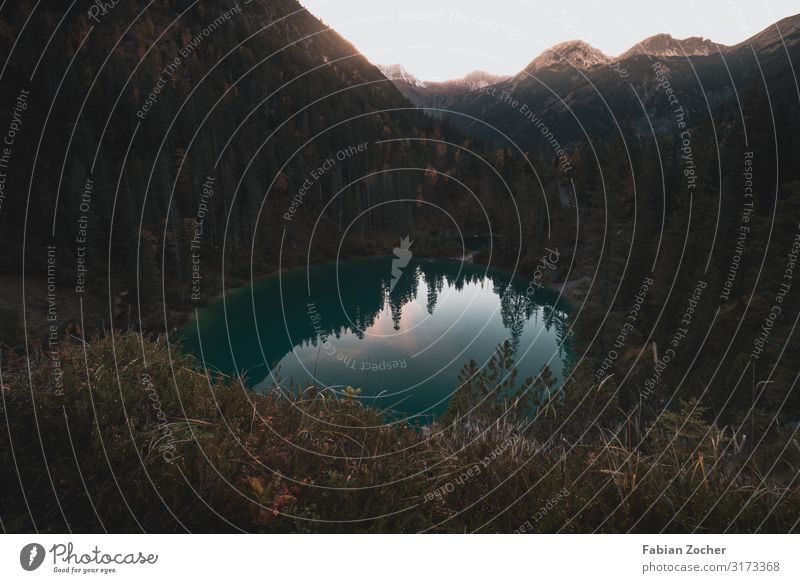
398,74
174,146
579,93
665,45
416,91
443,95
774,37
575,53
474,79
437,95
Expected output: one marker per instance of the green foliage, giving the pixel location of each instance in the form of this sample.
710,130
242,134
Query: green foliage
487,393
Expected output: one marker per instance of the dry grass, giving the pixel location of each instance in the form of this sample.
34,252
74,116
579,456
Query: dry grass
221,458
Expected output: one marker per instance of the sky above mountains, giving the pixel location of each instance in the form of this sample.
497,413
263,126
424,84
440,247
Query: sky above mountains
447,39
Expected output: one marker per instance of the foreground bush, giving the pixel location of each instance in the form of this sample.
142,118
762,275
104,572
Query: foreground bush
130,436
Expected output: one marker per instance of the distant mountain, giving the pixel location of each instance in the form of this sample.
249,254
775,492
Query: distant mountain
665,45
399,74
437,95
476,78
444,94
575,53
579,93
412,88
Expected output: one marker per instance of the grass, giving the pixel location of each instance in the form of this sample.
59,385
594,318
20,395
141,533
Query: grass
135,438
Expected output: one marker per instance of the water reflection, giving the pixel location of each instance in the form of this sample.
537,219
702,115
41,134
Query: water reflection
338,325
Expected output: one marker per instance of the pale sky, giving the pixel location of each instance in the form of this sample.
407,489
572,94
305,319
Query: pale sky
445,39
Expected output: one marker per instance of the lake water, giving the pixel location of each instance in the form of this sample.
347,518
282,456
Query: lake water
401,340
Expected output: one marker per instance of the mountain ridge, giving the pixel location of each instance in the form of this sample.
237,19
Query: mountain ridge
575,53
580,54
666,45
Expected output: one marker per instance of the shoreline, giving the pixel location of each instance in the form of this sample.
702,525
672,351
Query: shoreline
563,290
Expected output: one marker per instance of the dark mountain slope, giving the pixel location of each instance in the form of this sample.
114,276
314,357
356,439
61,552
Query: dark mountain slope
157,146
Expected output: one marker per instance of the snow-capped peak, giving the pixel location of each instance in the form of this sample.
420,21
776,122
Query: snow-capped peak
397,72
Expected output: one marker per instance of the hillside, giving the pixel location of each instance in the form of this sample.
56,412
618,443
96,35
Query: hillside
156,148
199,454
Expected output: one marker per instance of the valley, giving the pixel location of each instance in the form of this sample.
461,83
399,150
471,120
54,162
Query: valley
335,288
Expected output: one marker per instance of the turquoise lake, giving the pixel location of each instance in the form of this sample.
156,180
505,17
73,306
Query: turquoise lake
401,340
